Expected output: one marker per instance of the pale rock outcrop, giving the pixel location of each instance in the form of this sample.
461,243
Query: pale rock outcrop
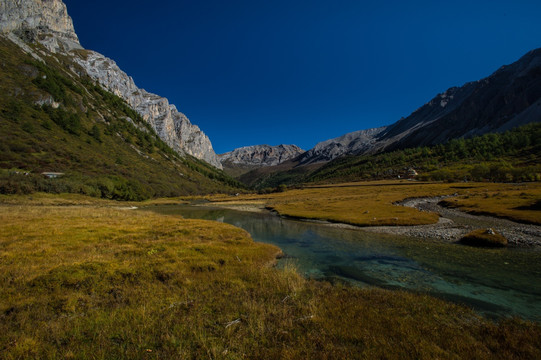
46,21
172,126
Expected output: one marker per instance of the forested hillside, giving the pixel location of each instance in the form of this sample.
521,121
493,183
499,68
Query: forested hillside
511,156
54,119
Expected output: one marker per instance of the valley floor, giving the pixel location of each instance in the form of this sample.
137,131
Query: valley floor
87,278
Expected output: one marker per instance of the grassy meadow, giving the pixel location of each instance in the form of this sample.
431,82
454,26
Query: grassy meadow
83,278
373,203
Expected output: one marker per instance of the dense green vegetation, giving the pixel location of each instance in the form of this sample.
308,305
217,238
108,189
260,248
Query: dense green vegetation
513,156
510,156
52,120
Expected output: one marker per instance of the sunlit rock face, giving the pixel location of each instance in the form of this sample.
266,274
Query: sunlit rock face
48,22
172,126
261,155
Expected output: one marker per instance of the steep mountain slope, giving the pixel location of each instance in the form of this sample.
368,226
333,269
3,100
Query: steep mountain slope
54,120
514,155
47,22
172,126
509,97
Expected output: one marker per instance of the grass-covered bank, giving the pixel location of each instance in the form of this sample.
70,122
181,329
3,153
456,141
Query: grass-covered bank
97,281
373,203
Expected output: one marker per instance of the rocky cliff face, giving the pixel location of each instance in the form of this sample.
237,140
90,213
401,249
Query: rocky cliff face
509,97
172,126
261,155
48,22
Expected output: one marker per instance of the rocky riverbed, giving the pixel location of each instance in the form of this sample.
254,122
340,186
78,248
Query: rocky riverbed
454,224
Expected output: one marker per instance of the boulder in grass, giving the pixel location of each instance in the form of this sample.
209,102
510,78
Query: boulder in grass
484,238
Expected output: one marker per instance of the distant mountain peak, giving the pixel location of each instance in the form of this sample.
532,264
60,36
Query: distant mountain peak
347,144
261,155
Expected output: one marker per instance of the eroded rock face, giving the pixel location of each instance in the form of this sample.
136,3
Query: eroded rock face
48,22
261,155
510,97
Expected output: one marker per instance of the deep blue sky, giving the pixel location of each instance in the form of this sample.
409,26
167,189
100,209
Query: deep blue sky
302,71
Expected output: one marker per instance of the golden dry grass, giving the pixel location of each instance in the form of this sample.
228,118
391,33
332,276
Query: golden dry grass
373,203
95,282
515,202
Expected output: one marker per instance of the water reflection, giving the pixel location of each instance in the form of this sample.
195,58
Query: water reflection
500,282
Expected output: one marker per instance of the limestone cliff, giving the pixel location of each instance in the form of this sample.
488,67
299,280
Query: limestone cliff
48,22
172,126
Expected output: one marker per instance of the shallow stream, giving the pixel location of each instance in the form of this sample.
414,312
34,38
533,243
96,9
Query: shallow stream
495,282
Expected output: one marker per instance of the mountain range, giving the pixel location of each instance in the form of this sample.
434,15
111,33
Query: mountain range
71,111
242,160
508,98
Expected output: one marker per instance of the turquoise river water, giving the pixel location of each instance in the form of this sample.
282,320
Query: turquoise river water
495,282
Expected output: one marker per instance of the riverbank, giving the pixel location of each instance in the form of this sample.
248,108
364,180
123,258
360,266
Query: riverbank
409,208
453,224
247,206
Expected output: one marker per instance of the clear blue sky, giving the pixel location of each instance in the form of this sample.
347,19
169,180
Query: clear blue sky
302,71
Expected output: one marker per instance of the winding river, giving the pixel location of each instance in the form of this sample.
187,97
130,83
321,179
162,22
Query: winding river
495,282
